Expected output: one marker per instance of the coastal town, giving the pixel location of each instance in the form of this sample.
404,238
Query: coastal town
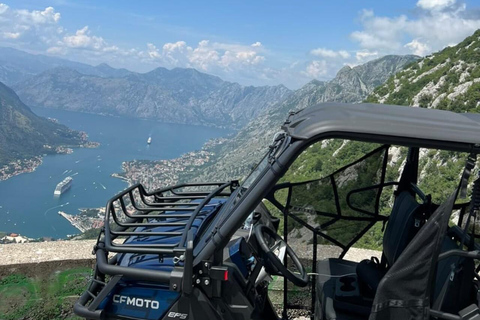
18,167
162,173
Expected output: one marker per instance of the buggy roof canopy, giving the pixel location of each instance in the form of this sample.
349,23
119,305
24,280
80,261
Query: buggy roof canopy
387,123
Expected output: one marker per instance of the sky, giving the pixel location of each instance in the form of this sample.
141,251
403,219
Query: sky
250,42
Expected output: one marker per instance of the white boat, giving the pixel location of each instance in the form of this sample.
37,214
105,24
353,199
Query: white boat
63,186
149,140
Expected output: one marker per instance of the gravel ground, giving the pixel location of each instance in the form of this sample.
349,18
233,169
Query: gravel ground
34,252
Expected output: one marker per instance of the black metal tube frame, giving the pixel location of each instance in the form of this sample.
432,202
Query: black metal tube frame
185,207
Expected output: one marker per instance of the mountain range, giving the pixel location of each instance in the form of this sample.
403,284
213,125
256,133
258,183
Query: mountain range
17,66
184,96
176,96
239,154
24,134
447,80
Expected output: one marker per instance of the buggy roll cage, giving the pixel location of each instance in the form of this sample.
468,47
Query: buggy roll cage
124,217
412,127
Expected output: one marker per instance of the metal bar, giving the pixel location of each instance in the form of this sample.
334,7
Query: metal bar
91,294
176,198
323,235
314,270
98,281
188,267
80,309
225,194
183,185
146,245
150,224
335,193
135,273
153,224
444,315
198,209
145,233
285,259
104,292
140,249
467,254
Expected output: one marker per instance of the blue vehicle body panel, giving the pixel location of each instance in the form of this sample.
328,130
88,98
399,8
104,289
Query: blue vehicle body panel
149,300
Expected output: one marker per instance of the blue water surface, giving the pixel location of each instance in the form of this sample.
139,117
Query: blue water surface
27,203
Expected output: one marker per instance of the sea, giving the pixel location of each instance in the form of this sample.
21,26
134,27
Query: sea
27,203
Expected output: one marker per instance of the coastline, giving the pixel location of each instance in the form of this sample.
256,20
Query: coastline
18,167
156,174
29,165
152,175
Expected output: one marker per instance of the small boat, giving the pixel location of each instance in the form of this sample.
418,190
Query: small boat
149,140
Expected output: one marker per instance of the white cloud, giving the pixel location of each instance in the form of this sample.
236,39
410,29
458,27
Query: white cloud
33,27
327,53
365,55
11,35
316,69
206,56
443,22
417,47
435,4
83,39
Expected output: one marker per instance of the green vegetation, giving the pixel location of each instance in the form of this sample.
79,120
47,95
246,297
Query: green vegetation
44,296
446,70
90,234
24,135
438,176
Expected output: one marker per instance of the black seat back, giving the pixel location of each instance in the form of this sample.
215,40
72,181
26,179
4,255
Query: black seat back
401,226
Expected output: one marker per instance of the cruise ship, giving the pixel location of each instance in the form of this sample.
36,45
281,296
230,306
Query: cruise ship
63,186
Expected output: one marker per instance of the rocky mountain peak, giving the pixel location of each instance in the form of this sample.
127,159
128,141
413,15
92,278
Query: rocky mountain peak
448,80
245,149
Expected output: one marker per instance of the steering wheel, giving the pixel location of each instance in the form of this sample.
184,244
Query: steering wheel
274,256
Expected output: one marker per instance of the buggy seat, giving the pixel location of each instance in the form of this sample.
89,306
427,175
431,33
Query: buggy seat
345,289
333,273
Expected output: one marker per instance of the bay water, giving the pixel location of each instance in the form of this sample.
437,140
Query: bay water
27,203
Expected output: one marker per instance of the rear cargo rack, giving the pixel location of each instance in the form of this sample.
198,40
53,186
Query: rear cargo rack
134,212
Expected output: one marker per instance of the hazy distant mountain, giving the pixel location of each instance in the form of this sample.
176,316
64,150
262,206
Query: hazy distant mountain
16,65
237,155
177,95
24,134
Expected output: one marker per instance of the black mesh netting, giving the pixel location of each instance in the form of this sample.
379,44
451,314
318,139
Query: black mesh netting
334,211
343,205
